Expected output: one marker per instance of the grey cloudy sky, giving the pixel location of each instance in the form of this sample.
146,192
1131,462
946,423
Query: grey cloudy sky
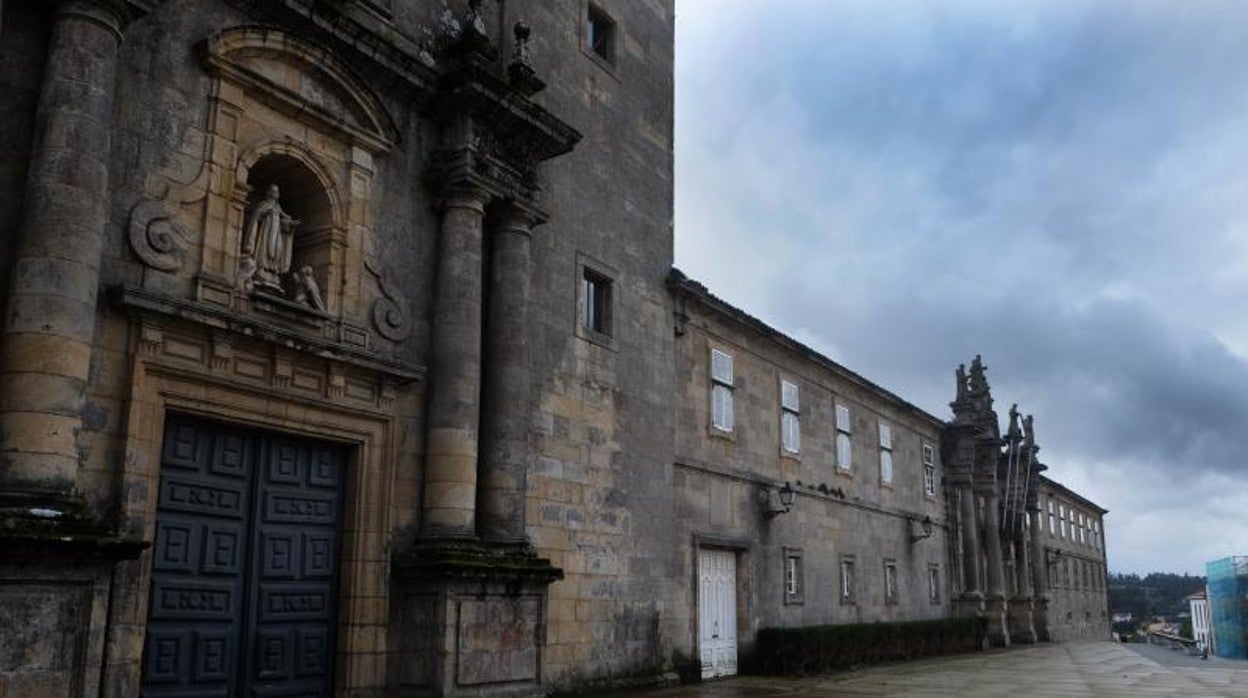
1060,186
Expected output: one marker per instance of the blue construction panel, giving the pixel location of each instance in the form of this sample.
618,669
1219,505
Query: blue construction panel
1228,605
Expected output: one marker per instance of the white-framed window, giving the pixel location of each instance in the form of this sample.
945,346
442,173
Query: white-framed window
844,450
890,581
1083,530
929,469
721,390
1061,508
793,582
886,454
933,584
790,425
1052,519
1096,535
847,579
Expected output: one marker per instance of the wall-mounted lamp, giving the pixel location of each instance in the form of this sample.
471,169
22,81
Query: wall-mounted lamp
779,500
920,529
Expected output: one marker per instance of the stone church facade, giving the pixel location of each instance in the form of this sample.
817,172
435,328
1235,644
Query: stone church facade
342,355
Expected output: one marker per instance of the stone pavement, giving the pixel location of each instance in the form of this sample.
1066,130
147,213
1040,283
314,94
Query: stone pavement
1067,670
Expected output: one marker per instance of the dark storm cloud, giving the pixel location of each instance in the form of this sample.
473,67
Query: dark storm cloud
1062,187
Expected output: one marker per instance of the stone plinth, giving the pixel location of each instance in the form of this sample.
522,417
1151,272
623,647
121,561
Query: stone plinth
472,621
54,591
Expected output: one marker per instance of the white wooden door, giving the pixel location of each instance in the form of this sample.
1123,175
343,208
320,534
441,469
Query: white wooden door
717,612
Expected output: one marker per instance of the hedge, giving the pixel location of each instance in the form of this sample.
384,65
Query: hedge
820,649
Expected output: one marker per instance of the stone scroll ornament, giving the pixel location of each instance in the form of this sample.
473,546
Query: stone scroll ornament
155,235
389,311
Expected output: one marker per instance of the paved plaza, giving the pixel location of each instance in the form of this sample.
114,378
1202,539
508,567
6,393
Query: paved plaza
1067,670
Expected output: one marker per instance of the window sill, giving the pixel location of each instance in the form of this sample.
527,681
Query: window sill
608,67
845,473
791,455
602,339
716,433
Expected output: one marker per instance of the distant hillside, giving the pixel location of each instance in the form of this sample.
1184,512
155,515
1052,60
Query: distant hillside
1155,594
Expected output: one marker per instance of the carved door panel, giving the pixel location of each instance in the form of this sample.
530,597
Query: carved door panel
717,612
244,565
294,548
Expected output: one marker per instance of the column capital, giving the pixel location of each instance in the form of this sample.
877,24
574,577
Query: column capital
469,196
517,217
112,15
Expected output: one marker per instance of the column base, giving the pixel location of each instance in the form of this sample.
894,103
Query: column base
473,619
1021,624
1040,619
995,611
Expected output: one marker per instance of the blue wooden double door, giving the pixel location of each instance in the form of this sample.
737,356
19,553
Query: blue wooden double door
245,564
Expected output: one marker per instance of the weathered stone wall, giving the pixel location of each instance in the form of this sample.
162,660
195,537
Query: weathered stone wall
599,502
720,480
1078,605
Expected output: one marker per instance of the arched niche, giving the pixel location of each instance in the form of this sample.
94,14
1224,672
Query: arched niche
308,194
287,112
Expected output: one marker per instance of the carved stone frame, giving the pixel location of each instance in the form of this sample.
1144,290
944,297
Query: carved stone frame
172,374
256,113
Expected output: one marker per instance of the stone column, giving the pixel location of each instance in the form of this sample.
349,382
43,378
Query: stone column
994,599
454,410
1022,606
49,325
505,414
1039,577
970,541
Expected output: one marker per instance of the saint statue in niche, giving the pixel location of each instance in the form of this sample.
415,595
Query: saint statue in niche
268,241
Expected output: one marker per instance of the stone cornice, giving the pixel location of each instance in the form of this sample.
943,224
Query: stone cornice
143,301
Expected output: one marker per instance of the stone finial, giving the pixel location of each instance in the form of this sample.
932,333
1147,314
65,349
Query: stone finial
1029,433
960,376
475,20
520,71
1013,432
978,384
521,51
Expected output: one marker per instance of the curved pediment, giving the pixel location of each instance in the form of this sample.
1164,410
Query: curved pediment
303,80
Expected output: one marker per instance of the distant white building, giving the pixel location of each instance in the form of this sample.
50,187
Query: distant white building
1202,631
1123,617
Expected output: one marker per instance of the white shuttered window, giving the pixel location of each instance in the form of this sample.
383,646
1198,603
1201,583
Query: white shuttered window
886,454
844,452
790,425
929,469
721,390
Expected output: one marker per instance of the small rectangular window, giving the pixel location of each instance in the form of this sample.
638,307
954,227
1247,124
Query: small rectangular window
790,425
929,469
1052,520
600,34
933,584
886,454
844,452
793,582
721,390
847,580
596,302
890,581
